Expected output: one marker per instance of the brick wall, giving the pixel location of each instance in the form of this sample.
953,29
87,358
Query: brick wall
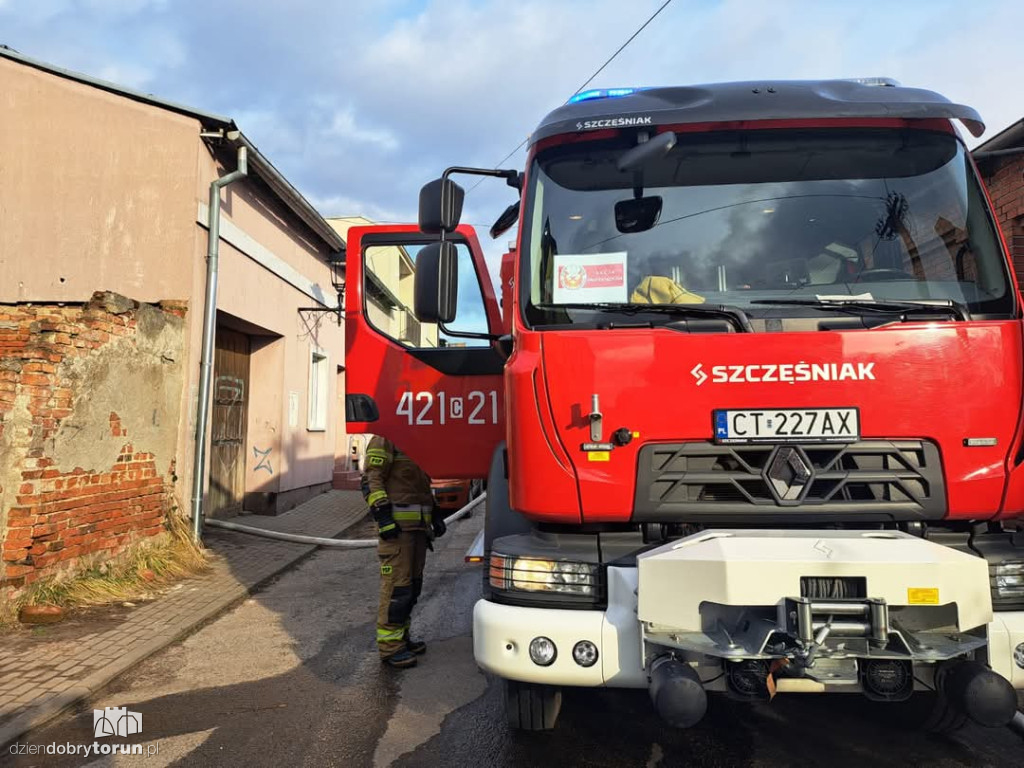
89,401
1004,178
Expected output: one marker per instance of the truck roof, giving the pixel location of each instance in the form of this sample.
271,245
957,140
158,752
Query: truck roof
764,100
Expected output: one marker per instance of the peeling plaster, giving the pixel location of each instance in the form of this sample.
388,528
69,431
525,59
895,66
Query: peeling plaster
137,378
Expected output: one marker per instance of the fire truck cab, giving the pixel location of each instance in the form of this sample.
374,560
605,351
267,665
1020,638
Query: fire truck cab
750,409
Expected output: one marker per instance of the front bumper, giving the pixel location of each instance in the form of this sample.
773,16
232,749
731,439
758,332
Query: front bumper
502,635
644,620
1006,646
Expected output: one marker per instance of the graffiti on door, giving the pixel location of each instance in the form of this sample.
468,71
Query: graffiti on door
229,427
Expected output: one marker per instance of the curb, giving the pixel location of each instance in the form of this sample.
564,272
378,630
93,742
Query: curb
60,702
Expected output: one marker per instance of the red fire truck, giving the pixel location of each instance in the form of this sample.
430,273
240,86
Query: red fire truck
748,400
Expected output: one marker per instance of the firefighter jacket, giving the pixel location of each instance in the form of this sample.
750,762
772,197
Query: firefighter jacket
390,474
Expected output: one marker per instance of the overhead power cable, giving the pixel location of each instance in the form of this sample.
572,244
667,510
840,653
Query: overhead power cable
622,47
588,81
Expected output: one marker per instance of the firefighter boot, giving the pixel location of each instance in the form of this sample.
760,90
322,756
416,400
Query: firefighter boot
403,659
416,646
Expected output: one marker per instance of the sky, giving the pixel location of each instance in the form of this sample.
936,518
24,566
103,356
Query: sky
360,103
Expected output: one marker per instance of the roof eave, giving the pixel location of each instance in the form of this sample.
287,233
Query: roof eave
1010,137
206,118
281,187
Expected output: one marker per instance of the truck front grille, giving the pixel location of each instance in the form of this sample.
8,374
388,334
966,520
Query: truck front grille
890,479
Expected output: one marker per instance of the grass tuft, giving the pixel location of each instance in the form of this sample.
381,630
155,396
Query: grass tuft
141,568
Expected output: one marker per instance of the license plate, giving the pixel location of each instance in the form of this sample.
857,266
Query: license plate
819,425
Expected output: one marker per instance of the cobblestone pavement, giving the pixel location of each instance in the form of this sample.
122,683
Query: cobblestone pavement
44,672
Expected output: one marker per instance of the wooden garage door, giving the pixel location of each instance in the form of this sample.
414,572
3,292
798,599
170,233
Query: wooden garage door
228,423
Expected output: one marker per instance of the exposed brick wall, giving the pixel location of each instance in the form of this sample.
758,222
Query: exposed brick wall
1004,178
50,514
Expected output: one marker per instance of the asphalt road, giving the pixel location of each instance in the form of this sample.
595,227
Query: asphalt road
291,677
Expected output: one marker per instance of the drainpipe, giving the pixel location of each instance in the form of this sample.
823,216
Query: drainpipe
206,362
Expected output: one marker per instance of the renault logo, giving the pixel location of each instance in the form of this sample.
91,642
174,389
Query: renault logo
788,473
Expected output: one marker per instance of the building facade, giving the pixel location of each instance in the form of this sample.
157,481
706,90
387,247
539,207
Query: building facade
104,220
1001,162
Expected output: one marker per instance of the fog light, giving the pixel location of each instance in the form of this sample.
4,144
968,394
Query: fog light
1018,655
584,653
542,651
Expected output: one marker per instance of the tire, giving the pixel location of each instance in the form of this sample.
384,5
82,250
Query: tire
927,711
532,707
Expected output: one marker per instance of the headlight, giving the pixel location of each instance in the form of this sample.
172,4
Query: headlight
530,574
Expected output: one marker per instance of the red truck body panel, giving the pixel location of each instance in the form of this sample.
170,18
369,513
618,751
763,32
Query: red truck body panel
934,381
415,400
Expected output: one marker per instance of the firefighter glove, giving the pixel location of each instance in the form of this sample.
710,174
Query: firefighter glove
437,523
387,528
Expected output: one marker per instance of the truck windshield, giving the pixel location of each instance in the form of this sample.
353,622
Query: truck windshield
743,219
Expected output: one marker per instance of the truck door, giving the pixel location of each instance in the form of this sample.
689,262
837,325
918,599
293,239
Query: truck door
439,398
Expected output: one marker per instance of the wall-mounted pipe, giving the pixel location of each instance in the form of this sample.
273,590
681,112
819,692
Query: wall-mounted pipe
209,330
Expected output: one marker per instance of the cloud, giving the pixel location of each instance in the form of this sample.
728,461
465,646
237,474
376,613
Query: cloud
116,8
345,127
341,205
359,104
128,75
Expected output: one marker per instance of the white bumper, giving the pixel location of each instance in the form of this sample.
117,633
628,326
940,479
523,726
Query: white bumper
750,568
502,635
1005,634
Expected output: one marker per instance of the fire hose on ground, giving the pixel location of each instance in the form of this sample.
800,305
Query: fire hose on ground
323,542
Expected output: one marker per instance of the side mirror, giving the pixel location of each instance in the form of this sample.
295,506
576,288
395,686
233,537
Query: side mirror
436,289
440,206
637,215
504,222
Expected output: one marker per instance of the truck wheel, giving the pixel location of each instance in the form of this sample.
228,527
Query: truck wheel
531,707
926,711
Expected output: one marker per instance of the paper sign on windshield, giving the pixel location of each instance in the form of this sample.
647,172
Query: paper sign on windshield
590,278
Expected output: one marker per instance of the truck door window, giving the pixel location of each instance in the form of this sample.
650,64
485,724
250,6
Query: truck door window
388,277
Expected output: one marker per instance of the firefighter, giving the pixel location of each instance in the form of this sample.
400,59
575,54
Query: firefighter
402,504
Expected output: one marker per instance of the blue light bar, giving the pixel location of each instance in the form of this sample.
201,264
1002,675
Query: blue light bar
601,93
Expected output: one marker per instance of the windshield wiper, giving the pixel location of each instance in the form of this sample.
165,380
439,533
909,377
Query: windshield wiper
856,306
734,315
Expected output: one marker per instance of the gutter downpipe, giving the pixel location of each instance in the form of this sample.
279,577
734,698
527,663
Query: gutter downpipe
209,326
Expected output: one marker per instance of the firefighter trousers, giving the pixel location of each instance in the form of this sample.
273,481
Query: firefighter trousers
401,580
